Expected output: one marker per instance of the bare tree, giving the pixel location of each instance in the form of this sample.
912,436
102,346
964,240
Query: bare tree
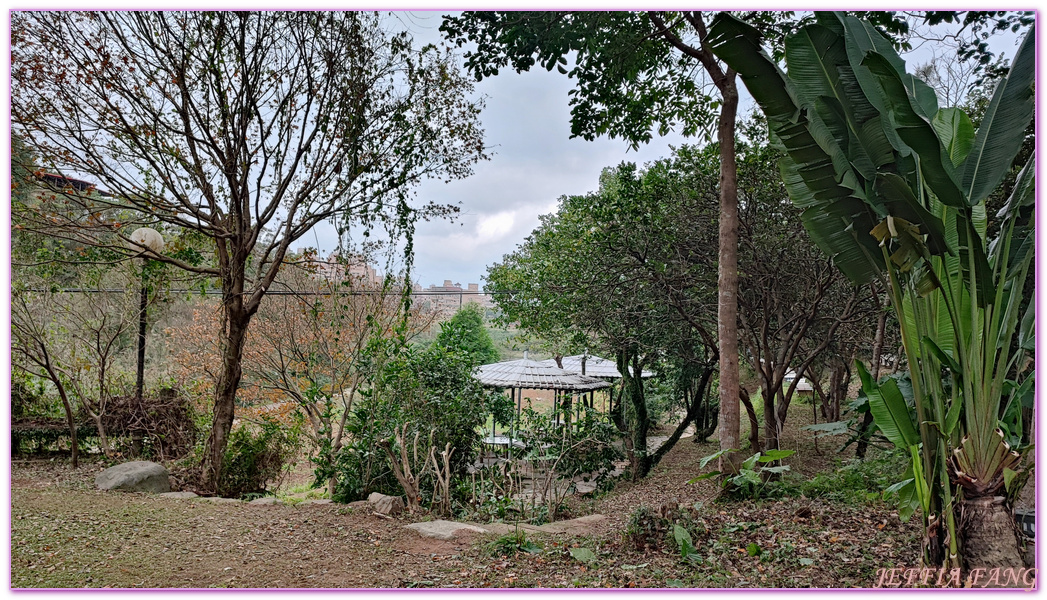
310,343
74,340
246,129
31,353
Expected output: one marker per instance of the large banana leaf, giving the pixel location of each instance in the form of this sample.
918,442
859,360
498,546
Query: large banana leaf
839,217
1003,128
1024,192
956,132
889,409
818,65
916,131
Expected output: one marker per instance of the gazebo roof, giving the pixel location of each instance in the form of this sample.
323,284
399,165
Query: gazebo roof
535,375
595,366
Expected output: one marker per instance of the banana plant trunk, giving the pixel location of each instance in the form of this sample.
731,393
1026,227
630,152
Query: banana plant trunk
990,535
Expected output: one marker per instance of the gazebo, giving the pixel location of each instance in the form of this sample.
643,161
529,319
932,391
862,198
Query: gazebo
525,374
592,366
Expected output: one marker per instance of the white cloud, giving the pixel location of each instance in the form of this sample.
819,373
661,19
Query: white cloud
495,227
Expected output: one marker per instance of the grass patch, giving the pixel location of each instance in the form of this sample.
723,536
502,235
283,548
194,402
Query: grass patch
852,481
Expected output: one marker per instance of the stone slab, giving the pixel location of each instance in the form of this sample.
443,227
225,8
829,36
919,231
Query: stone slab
178,495
265,501
508,528
579,526
218,500
444,530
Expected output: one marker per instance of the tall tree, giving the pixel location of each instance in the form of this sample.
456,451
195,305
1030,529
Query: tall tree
792,300
636,72
247,127
629,265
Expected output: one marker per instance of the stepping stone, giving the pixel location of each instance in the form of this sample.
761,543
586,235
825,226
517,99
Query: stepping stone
218,500
579,526
268,500
584,488
509,528
178,495
444,530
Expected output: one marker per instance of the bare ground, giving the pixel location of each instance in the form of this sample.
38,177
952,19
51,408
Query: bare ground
64,533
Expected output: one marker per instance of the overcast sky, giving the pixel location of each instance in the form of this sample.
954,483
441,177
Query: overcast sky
533,162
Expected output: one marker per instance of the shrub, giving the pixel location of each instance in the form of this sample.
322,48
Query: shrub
163,426
558,453
433,393
646,529
253,460
511,543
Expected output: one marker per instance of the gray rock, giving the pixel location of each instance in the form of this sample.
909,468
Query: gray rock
178,495
386,505
137,476
444,530
584,488
509,528
265,501
219,500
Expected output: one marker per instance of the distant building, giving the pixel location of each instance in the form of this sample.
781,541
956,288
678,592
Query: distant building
354,267
446,299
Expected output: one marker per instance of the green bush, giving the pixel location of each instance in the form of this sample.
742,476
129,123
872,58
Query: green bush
430,390
254,459
646,529
853,481
511,543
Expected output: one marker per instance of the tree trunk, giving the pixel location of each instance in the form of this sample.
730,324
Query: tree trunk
632,389
727,284
233,339
990,538
103,439
754,423
770,420
70,417
864,432
694,408
70,421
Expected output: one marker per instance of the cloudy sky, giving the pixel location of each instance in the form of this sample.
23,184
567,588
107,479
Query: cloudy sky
533,163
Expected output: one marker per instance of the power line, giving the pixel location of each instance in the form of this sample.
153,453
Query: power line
276,292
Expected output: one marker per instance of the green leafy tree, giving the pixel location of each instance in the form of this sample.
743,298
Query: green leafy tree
246,128
465,334
893,187
420,402
636,72
792,301
627,265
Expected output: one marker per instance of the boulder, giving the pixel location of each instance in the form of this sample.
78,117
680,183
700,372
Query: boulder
386,505
444,530
137,476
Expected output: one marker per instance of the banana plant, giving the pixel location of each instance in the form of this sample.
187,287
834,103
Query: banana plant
893,188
